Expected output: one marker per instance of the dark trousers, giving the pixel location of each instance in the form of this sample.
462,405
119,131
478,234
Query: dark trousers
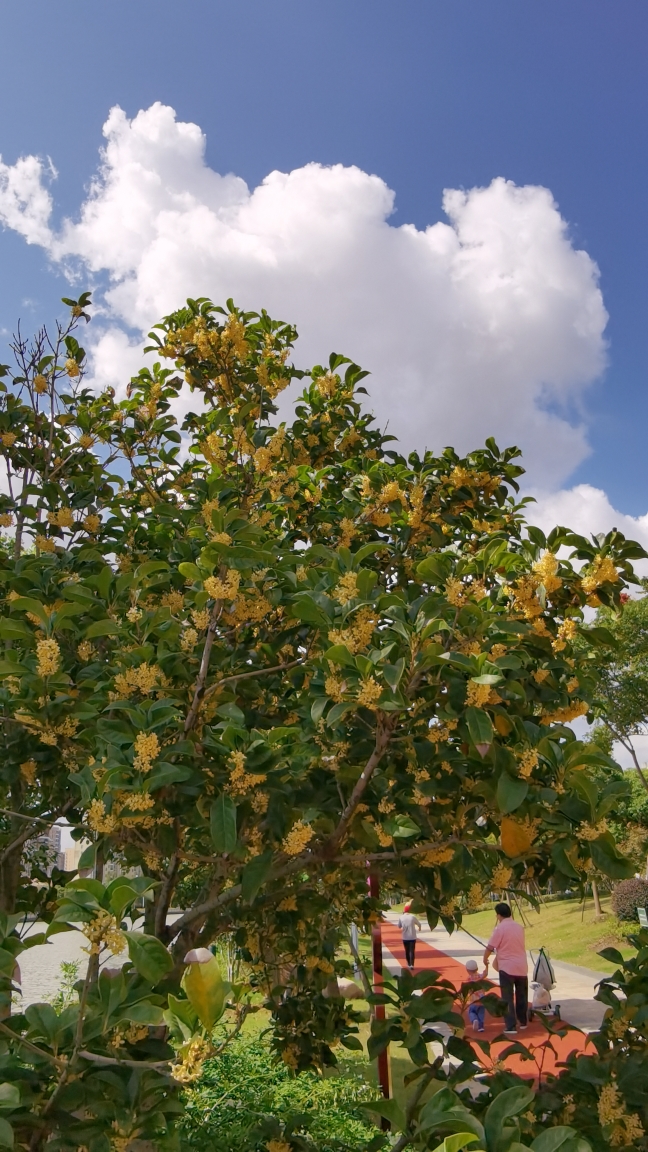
410,949
515,993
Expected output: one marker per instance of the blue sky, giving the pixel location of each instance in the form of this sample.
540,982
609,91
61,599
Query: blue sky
424,95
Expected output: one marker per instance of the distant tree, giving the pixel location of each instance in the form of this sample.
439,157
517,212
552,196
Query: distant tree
621,702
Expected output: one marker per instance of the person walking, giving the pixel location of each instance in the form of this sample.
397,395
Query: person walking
508,944
409,926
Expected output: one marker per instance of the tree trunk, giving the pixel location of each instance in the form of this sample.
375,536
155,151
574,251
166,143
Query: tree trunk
597,902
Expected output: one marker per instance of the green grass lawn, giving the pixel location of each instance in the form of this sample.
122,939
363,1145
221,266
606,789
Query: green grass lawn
567,929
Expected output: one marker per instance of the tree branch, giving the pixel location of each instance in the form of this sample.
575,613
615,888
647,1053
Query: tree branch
209,692
384,730
27,833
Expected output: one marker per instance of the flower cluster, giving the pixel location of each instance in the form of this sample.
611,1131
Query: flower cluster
147,748
103,929
226,589
48,657
299,836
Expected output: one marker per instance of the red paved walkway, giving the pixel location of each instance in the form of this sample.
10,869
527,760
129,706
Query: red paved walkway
535,1038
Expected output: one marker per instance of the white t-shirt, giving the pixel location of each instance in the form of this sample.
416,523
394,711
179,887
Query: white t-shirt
409,926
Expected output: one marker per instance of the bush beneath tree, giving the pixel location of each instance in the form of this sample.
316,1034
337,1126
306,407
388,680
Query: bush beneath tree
629,895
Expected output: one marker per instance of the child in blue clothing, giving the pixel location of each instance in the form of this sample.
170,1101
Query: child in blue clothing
476,1011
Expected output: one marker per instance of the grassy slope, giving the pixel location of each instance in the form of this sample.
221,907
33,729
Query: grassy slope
566,930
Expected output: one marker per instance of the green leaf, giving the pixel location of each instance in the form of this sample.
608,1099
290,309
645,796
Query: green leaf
11,668
390,1109
336,713
143,1012
9,1095
609,860
149,956
222,823
457,1142
339,654
510,792
149,567
88,857
552,1139
190,571
480,729
102,628
15,630
504,1107
318,708
28,604
6,1134
206,991
253,876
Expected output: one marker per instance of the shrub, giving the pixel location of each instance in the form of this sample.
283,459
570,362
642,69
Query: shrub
629,895
247,1095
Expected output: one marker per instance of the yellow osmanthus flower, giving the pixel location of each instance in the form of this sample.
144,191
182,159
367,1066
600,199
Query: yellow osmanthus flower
241,781
501,877
6,520
386,806
226,589
200,617
602,571
540,675
192,1057
98,819
586,831
104,929
213,449
612,1112
528,761
147,748
564,715
222,538
92,523
545,569
40,384
28,770
435,856
455,592
173,600
86,441
9,439
566,633
370,692
299,836
347,588
188,640
72,368
145,679
384,838
348,532
477,694
48,657
334,688
474,897
45,544
448,906
497,651
391,492
572,684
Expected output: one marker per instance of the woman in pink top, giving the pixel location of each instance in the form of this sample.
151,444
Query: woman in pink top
507,941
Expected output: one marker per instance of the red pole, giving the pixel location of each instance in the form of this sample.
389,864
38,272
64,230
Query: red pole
379,1009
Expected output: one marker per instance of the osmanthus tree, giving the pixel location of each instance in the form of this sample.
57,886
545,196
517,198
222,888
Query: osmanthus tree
255,661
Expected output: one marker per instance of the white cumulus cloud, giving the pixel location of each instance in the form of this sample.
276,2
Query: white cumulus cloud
587,510
489,323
